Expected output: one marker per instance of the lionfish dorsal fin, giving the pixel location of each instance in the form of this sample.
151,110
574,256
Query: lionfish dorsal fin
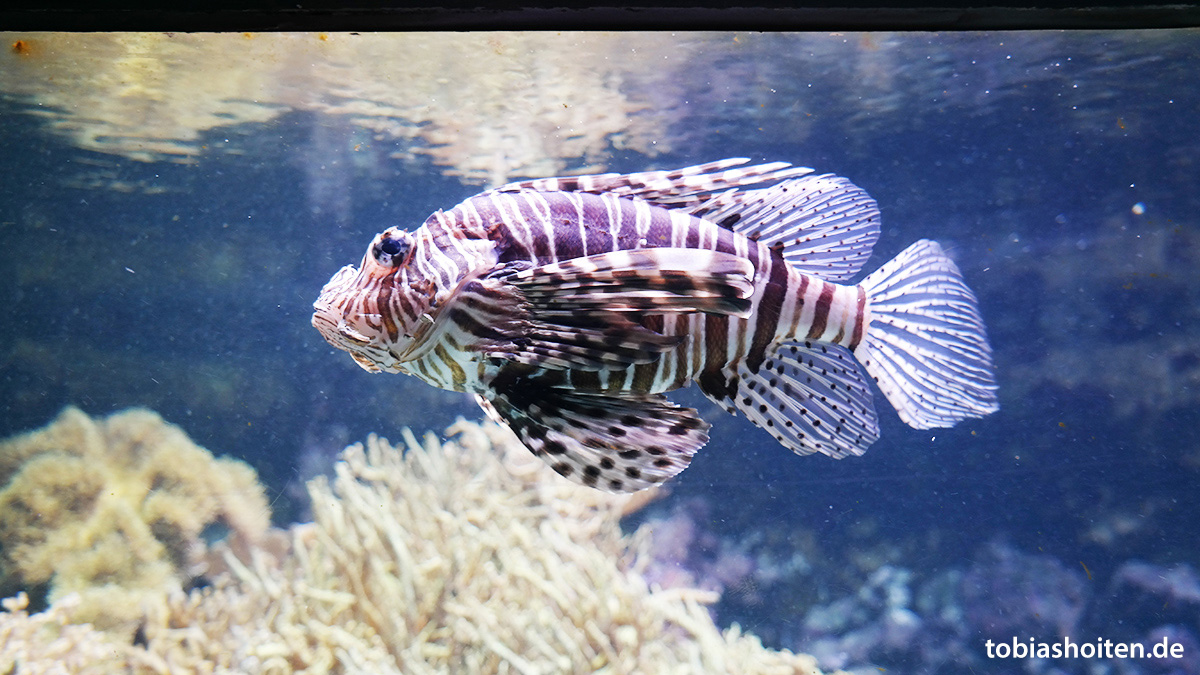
825,225
676,189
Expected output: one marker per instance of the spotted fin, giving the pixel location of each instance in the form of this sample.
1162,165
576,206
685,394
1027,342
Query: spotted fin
811,397
658,280
680,188
613,443
826,225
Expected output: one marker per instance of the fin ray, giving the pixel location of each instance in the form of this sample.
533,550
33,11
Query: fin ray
679,188
826,225
613,443
657,280
811,398
585,312
926,345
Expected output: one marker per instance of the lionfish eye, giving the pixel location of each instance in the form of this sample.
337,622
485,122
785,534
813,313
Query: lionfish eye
390,251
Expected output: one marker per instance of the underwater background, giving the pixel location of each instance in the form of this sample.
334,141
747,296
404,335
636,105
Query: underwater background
172,204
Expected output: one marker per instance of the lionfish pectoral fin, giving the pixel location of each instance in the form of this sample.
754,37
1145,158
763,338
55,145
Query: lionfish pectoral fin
585,313
592,342
811,397
615,444
367,364
653,280
503,323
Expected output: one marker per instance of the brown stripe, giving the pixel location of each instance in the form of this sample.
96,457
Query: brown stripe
766,319
585,380
401,302
821,311
692,239
420,367
798,312
683,353
858,318
456,371
469,324
643,376
712,380
384,308
654,322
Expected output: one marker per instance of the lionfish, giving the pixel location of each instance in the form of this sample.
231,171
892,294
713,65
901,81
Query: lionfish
568,305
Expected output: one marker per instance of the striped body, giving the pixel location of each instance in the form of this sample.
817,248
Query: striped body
543,228
569,305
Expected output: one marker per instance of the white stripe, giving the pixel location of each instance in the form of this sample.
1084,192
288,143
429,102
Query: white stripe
680,224
641,218
543,215
576,199
457,243
809,313
614,221
509,212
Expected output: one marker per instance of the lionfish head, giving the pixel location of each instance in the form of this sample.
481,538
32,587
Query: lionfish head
373,311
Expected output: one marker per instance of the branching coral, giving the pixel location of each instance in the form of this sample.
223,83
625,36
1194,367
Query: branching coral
463,557
114,509
47,643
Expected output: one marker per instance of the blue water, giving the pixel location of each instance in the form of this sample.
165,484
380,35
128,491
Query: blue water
1059,169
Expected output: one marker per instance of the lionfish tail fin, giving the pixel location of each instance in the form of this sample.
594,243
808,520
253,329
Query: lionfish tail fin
926,345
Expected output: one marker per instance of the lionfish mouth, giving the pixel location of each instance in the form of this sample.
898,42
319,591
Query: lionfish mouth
342,336
330,320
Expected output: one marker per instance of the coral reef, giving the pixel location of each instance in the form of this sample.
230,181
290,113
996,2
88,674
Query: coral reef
114,510
48,643
459,557
1007,591
874,622
938,624
906,622
1178,586
684,553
